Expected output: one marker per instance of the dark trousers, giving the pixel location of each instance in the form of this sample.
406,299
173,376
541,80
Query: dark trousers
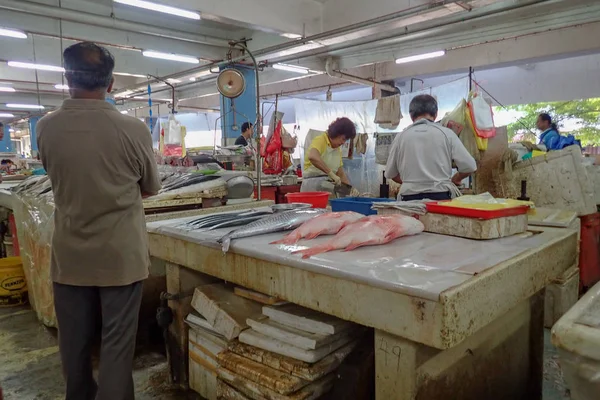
431,196
77,312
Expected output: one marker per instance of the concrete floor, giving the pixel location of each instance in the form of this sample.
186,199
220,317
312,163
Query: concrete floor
30,365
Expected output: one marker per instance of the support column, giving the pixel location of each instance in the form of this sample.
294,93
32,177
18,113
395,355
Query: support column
6,143
33,135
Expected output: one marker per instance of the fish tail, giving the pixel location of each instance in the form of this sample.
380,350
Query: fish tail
287,239
313,251
225,242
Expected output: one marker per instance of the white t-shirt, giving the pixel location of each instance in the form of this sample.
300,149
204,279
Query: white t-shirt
422,155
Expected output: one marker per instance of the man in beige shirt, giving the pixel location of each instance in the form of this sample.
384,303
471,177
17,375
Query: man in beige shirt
101,164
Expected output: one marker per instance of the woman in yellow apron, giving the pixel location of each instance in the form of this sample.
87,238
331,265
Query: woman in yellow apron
323,160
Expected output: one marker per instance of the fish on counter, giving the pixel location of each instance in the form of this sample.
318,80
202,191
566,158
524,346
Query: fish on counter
223,220
326,224
274,223
368,231
183,180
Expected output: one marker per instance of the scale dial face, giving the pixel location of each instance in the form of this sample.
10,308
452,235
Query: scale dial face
231,83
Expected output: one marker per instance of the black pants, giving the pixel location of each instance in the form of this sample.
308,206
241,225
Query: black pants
430,196
77,309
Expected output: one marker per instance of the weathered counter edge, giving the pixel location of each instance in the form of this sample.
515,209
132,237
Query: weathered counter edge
460,312
480,300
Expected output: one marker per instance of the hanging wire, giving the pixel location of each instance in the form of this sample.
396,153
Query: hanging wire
62,63
37,81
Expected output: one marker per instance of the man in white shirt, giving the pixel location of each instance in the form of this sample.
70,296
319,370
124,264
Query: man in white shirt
421,156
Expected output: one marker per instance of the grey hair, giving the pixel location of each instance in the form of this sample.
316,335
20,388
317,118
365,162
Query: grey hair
423,104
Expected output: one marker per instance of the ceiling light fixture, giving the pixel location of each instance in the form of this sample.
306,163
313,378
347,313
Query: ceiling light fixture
128,74
13,33
6,115
170,57
171,80
291,68
7,89
291,35
124,112
25,106
124,94
42,67
61,87
11,130
419,57
160,8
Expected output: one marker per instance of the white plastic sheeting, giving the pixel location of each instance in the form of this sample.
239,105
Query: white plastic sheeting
424,265
363,171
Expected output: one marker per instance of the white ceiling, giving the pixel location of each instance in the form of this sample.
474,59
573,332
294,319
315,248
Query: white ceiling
491,33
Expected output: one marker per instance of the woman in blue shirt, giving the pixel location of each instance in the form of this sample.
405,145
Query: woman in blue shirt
550,136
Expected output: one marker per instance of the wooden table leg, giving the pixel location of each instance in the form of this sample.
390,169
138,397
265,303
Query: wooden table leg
181,280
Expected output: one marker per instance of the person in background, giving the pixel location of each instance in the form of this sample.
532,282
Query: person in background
323,160
100,163
549,130
245,136
421,156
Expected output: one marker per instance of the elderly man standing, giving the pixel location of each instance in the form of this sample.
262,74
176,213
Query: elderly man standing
421,156
100,164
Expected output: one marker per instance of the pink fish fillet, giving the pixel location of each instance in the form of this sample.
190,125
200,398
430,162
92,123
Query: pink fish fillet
324,224
368,231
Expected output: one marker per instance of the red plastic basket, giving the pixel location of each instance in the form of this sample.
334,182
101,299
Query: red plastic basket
317,199
436,208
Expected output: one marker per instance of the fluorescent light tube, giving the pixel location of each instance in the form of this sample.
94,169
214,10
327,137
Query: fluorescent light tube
6,115
171,80
291,35
124,112
148,5
171,57
291,68
13,33
42,67
418,57
61,87
128,74
25,106
7,89
124,94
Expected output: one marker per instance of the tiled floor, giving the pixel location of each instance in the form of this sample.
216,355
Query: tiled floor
30,365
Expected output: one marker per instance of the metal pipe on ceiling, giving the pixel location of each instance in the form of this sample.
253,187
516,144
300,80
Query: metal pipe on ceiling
107,22
334,73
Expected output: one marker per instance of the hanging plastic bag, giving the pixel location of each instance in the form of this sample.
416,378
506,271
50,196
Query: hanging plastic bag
287,140
173,138
383,145
273,162
482,116
457,121
482,143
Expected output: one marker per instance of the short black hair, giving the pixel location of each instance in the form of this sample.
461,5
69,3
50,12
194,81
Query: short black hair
88,66
423,104
546,117
246,126
342,127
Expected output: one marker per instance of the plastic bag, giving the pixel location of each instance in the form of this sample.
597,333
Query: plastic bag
273,153
482,116
383,145
173,138
457,121
481,143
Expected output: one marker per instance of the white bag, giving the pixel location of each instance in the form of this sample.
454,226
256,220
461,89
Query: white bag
482,113
383,145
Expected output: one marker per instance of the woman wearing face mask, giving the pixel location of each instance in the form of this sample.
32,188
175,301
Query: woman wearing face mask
323,161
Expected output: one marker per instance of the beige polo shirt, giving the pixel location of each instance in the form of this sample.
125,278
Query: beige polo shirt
99,162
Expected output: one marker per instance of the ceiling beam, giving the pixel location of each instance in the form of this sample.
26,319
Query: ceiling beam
301,17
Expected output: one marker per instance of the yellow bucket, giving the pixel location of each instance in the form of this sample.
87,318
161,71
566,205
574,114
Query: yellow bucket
13,287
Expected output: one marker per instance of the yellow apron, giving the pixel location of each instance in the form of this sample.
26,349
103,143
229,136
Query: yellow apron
313,178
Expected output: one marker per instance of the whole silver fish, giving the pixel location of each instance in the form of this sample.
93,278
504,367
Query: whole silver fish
274,223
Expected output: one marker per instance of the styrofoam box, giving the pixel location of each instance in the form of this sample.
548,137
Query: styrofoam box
577,337
561,295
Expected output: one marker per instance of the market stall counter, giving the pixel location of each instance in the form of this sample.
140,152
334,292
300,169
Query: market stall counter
453,318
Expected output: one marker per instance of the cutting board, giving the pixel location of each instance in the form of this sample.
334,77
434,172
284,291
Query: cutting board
472,228
255,391
253,338
224,311
301,369
306,319
275,380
